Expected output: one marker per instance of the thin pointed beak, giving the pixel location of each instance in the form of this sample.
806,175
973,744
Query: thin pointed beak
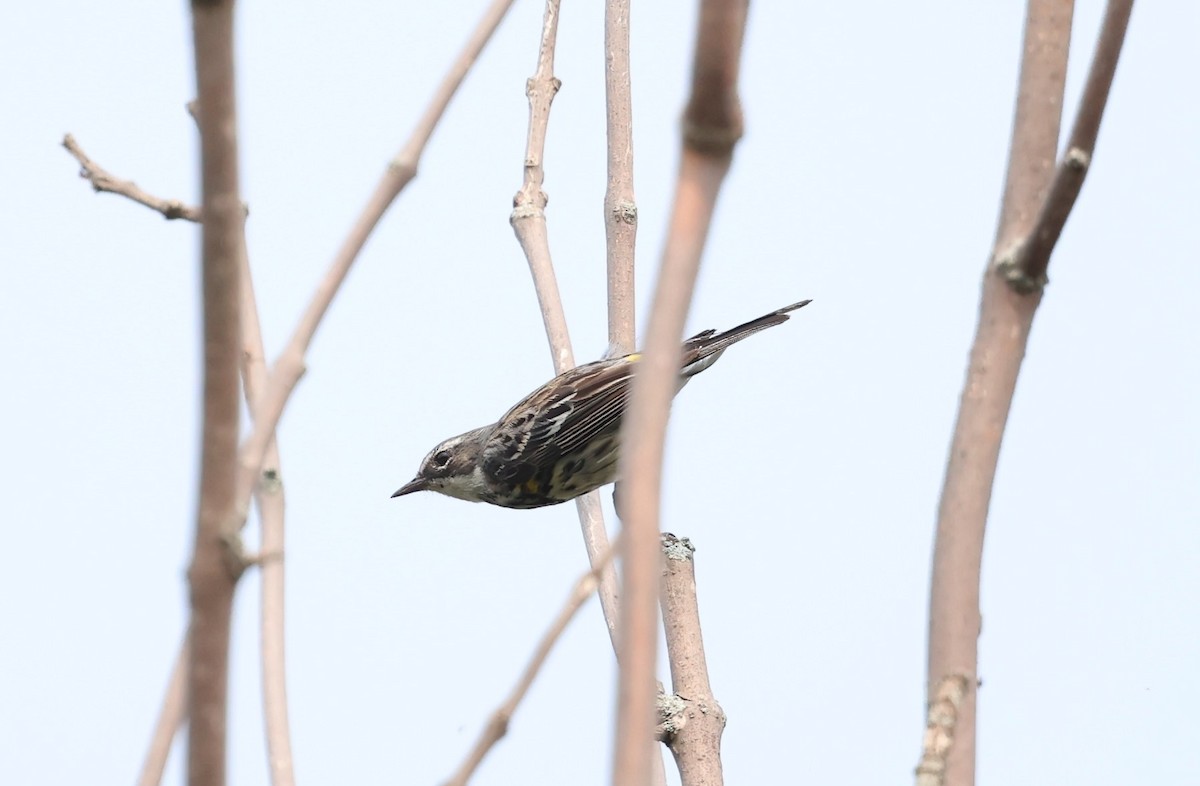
416,484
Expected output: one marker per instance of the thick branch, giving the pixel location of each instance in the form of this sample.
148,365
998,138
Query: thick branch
620,208
103,181
1006,316
211,579
695,738
497,726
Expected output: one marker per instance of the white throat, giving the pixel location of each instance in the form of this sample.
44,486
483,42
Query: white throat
471,487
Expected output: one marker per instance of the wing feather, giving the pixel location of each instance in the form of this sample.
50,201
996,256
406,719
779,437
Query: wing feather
584,404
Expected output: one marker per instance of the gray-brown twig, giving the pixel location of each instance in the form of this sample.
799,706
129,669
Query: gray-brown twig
104,181
620,208
695,738
497,726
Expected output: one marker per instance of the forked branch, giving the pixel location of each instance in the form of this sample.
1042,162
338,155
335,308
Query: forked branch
1037,199
1027,268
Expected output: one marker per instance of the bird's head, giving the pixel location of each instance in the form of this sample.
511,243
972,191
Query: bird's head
452,468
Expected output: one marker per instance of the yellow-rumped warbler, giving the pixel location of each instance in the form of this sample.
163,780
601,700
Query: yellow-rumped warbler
561,440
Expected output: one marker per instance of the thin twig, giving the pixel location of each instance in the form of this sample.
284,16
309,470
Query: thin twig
289,367
620,207
497,725
211,579
103,181
695,738
1005,318
170,718
528,217
529,224
1073,167
271,503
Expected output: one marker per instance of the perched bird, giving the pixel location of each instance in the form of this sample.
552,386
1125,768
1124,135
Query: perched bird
562,440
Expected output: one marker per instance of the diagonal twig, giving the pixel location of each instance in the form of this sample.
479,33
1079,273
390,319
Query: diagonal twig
497,725
105,182
170,717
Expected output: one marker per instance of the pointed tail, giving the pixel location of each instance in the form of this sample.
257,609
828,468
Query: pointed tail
702,350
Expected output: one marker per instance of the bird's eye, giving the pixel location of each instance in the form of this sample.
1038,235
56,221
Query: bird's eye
441,458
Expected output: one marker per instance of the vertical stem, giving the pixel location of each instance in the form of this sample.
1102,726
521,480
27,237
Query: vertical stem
620,208
212,577
1005,319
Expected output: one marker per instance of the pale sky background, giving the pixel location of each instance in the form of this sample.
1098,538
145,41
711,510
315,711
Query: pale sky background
805,466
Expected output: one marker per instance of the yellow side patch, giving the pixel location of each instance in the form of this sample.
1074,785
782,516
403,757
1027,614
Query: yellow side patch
635,357
531,486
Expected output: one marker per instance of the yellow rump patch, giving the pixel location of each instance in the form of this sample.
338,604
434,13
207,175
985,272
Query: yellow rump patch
531,485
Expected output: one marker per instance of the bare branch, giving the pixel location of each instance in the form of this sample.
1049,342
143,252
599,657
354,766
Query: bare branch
696,739
528,217
271,504
170,718
497,726
211,580
102,181
1005,318
529,224
1034,256
289,367
620,208
712,125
